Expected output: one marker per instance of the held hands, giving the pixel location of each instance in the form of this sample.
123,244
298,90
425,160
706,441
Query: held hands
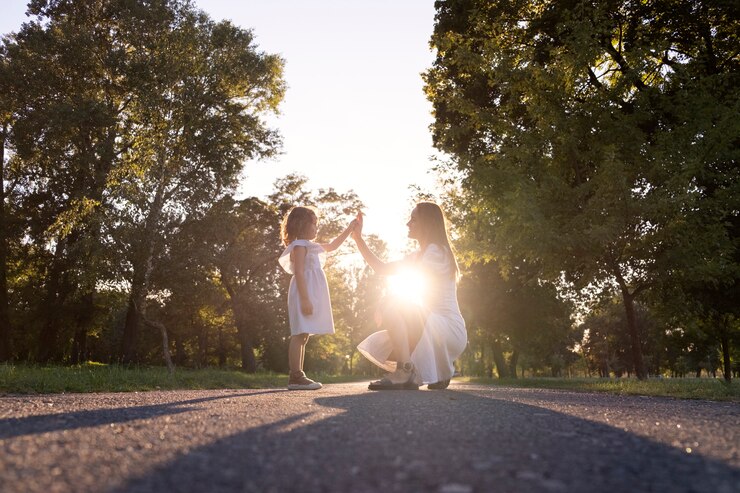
357,229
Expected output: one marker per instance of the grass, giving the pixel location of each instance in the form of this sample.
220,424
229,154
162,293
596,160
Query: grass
96,377
683,388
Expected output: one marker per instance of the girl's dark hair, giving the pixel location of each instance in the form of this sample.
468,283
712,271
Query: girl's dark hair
296,222
434,228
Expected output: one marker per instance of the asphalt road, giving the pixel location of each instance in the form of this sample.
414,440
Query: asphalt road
343,438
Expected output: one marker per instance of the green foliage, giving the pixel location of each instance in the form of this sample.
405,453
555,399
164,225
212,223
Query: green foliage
515,315
596,141
125,119
606,343
96,377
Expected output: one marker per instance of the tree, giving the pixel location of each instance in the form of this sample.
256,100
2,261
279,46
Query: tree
599,139
5,348
196,123
245,236
64,132
5,116
111,150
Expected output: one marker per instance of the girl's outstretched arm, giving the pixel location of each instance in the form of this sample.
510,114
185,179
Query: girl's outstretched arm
337,242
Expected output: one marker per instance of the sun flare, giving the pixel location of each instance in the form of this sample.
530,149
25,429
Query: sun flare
408,285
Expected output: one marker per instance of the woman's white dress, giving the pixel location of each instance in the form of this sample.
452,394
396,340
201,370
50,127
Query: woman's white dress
321,320
444,336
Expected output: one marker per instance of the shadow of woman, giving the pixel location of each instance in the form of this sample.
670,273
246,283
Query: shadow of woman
451,440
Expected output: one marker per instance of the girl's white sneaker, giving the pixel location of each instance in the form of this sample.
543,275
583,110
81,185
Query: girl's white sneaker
302,382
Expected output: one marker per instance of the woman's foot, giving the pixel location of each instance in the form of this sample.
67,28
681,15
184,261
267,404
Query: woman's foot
299,381
404,378
441,385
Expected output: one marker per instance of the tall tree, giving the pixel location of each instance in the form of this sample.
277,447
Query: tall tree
70,127
588,132
63,130
197,121
115,147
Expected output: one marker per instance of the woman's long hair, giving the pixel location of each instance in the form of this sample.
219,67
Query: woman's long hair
296,222
434,229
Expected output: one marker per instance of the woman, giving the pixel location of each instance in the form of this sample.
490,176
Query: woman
419,342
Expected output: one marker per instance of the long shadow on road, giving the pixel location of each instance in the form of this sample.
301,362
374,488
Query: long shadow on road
32,425
437,441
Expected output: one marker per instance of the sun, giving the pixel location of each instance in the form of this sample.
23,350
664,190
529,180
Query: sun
408,285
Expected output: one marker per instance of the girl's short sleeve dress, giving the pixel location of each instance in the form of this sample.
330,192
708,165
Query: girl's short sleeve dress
321,320
444,336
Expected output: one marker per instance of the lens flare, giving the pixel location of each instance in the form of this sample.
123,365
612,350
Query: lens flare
408,285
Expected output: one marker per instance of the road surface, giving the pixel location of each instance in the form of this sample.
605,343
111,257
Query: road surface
344,438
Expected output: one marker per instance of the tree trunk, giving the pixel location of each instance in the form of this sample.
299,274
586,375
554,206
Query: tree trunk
628,300
202,347
512,363
634,334
238,308
129,352
84,317
48,344
498,358
5,347
725,342
180,356
143,264
221,348
249,362
165,342
79,346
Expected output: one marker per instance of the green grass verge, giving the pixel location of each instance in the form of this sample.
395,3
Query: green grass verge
95,377
683,388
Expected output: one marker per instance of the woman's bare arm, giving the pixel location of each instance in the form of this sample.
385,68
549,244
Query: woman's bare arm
382,268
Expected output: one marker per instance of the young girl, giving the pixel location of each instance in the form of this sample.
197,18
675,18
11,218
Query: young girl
309,306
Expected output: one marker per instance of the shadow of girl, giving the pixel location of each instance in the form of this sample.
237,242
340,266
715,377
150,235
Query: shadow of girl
44,423
449,441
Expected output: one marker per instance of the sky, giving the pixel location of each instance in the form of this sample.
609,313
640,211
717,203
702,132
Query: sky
354,114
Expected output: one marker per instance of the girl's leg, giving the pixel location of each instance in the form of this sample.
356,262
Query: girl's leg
296,354
303,349
296,351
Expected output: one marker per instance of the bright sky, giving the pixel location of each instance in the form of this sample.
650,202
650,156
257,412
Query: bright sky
355,115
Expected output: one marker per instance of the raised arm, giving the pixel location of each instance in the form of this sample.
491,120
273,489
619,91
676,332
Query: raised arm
337,242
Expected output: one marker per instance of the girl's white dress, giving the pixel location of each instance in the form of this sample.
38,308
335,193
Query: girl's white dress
321,321
444,336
